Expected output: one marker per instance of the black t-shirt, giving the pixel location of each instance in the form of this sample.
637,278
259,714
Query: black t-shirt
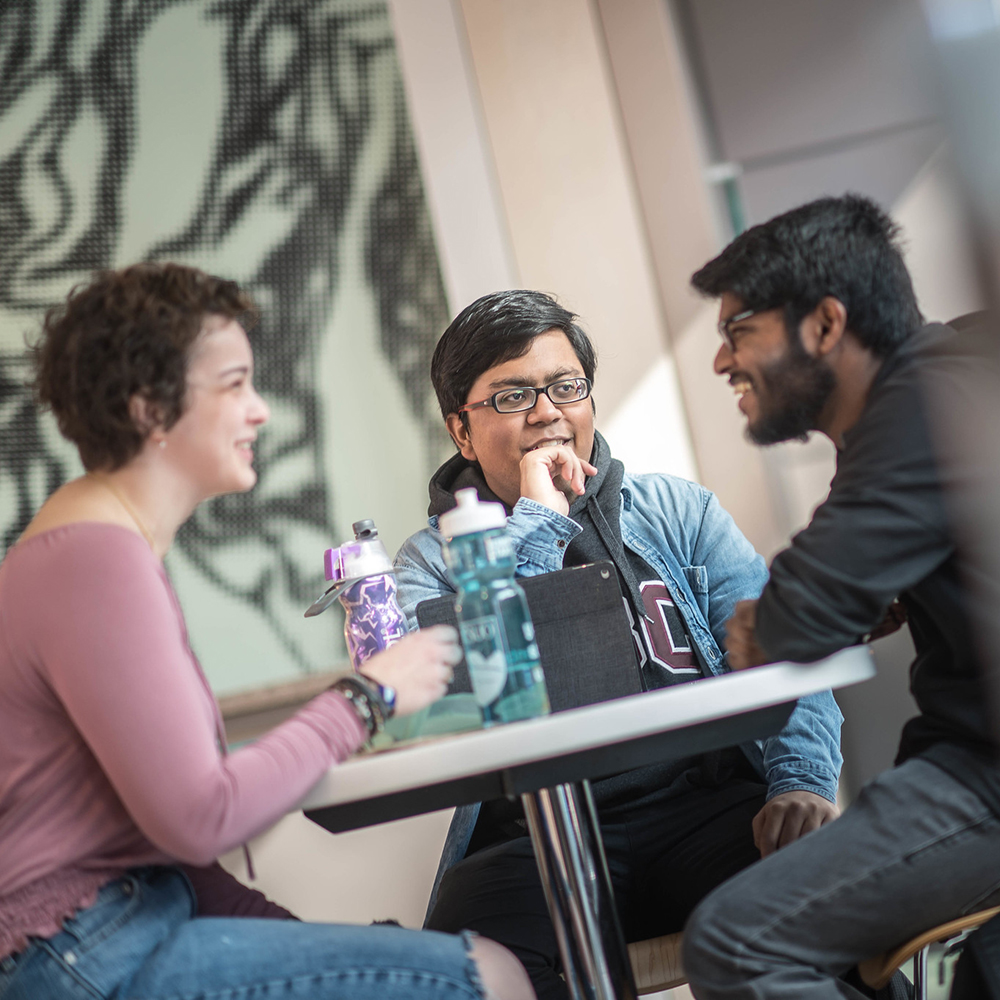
664,650
666,655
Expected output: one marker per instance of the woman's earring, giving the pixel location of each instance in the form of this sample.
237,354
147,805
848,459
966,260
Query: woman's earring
163,442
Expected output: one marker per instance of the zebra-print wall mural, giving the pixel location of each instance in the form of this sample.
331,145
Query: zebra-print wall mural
267,141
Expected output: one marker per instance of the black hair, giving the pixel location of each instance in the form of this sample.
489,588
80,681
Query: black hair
845,247
497,328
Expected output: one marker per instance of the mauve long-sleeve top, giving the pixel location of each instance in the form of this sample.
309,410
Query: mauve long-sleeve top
111,753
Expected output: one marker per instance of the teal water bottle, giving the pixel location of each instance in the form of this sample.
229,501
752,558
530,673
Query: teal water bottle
493,618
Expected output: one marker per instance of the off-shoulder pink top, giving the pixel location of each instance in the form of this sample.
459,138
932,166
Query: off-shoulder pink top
110,748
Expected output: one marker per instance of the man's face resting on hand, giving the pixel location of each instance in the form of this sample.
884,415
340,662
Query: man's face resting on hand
543,452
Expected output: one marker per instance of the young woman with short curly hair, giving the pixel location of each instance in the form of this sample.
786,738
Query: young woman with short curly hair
116,792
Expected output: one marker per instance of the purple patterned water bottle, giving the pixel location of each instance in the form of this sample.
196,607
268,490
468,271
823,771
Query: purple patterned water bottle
363,581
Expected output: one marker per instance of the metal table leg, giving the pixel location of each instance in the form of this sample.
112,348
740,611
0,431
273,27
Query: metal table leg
920,983
566,837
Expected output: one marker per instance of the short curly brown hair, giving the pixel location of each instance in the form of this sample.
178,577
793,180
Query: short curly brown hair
128,331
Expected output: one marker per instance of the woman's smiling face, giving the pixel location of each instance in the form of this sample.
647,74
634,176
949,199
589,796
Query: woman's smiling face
212,442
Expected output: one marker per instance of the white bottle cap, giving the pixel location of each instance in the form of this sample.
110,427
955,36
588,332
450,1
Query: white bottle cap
471,515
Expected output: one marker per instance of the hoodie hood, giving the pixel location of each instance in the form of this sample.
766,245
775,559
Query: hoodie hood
598,511
459,473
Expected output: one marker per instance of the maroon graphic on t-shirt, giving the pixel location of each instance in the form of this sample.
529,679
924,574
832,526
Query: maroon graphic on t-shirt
661,636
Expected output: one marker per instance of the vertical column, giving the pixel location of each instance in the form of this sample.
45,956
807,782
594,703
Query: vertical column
661,122
570,202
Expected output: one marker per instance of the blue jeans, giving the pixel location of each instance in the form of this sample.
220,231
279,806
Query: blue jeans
140,941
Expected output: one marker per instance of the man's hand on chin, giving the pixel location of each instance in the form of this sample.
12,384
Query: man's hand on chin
789,816
552,475
742,650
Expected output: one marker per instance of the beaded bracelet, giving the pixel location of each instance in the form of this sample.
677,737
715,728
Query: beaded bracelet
365,700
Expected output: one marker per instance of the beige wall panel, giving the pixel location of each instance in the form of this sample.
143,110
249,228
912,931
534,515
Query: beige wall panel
666,148
565,178
456,161
665,144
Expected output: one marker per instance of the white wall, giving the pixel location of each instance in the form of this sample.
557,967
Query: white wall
572,209
382,872
938,247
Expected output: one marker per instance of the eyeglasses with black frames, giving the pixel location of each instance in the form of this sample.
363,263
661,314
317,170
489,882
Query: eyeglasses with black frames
725,326
524,397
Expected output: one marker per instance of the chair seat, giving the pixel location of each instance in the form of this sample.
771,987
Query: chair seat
877,971
656,963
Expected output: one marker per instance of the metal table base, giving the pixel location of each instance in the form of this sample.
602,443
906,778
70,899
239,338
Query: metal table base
566,837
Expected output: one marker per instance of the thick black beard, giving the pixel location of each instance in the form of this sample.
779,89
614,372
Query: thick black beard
798,387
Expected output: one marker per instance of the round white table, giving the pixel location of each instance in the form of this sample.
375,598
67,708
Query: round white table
547,762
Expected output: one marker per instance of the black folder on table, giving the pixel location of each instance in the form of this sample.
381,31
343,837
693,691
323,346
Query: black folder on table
583,634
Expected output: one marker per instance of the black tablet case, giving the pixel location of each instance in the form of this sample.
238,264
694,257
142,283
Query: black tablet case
584,639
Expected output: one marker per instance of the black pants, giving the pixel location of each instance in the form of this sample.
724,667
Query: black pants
664,856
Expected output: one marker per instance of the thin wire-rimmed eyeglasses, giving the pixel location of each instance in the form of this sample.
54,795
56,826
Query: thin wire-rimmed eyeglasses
724,326
524,397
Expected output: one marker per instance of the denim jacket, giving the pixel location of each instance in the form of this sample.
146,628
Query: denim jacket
680,529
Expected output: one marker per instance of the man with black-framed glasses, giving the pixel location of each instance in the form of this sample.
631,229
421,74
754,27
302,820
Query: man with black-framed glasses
513,375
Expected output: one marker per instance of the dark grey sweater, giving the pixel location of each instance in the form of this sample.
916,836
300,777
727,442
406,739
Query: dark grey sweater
883,532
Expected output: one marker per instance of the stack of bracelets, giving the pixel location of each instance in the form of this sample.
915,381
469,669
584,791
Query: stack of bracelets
366,699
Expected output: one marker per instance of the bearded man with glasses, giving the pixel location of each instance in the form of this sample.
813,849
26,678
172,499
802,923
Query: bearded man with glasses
822,332
513,375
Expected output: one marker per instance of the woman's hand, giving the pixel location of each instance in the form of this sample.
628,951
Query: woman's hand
420,667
